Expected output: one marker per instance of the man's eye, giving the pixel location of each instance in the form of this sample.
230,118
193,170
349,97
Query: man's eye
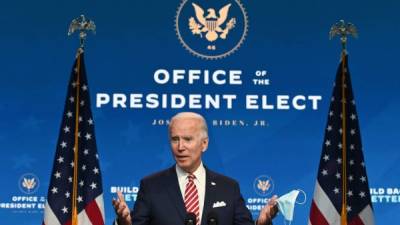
174,139
187,138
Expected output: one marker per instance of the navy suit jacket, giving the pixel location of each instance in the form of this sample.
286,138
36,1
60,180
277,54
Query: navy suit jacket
160,202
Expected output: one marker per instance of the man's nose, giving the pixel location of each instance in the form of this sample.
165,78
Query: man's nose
181,145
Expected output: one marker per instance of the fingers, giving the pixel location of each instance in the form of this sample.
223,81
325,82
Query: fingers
273,201
273,204
270,209
121,209
118,203
125,216
125,213
120,206
120,196
115,202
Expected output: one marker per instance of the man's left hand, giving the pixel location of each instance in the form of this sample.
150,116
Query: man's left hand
268,212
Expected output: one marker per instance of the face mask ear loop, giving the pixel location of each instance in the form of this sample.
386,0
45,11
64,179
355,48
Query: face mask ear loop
305,197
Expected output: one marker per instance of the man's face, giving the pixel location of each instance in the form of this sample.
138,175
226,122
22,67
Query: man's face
187,142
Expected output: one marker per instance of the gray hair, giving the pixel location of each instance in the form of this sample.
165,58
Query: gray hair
192,115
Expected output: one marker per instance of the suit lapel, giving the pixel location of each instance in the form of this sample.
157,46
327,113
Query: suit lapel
211,186
174,192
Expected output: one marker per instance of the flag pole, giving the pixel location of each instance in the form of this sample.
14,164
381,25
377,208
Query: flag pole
83,26
342,29
76,146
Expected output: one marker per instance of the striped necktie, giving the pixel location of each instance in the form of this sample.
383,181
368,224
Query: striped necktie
192,198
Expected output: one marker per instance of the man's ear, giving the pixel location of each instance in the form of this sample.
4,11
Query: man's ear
205,144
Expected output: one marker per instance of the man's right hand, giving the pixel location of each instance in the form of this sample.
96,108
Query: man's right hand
122,210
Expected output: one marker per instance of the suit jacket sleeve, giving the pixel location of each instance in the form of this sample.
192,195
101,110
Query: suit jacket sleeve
242,215
141,213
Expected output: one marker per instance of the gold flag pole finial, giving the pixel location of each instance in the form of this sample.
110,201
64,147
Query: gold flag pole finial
343,29
83,26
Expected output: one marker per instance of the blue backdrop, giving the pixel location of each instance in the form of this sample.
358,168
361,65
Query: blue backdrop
288,39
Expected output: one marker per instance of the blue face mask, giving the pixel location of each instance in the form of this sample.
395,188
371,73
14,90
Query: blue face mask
286,204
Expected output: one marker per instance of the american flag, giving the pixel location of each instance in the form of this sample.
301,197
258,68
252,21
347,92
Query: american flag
341,194
88,195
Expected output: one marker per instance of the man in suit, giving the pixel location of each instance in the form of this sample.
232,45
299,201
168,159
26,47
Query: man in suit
166,197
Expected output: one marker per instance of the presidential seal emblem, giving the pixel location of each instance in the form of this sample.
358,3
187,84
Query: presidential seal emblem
211,29
263,185
28,183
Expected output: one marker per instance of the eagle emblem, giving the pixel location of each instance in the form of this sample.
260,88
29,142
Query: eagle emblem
29,183
211,24
263,185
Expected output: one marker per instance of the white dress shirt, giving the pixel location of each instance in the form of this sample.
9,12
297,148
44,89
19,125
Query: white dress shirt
200,183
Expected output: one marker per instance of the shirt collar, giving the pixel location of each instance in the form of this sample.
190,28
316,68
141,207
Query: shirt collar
200,172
